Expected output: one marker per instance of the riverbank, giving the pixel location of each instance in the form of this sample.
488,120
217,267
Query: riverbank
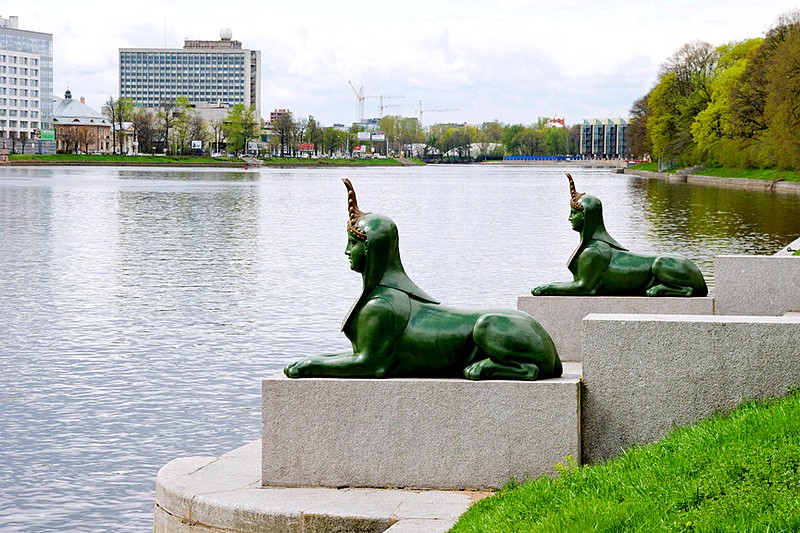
766,180
190,161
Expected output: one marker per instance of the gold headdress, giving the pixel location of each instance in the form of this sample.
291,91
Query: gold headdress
574,195
354,212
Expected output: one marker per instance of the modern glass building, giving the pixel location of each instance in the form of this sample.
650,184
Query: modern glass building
208,73
604,138
26,88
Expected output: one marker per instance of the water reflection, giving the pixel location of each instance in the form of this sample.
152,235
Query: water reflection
141,307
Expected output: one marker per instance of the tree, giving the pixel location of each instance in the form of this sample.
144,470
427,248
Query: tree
69,139
198,129
782,105
85,137
639,144
749,95
166,114
145,129
283,128
241,126
715,122
218,133
118,112
509,132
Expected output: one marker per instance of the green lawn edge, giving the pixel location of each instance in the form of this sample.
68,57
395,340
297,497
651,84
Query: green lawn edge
736,472
726,172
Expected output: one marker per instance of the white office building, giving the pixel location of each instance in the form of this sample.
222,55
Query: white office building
213,75
26,89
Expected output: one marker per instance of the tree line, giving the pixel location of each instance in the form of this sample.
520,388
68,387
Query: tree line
173,126
734,105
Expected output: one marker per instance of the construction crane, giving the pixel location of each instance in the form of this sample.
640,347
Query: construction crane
360,96
432,111
382,105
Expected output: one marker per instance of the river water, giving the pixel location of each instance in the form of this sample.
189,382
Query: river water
140,308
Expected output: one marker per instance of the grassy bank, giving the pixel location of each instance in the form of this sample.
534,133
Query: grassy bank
75,159
739,472
724,172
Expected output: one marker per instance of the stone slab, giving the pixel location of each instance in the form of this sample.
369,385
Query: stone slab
224,494
417,433
645,374
756,285
561,316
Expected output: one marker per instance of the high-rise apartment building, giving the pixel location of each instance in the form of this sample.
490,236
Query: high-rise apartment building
209,73
26,88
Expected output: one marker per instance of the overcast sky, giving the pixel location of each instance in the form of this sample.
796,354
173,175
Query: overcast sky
506,60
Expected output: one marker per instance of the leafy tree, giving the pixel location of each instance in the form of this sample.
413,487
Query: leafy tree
782,105
119,112
333,140
716,120
507,139
241,126
179,142
683,91
556,141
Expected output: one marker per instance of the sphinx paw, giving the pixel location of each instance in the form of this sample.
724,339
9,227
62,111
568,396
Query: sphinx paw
475,370
293,370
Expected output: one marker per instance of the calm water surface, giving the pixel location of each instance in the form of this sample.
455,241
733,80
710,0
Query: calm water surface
141,308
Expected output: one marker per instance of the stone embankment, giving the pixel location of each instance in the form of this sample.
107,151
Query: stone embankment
790,187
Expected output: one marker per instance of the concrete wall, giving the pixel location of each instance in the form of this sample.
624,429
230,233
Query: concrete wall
561,316
424,433
645,374
756,285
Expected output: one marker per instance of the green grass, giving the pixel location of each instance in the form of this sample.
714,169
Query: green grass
737,473
754,174
651,167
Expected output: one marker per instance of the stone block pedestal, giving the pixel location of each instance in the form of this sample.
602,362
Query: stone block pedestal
561,316
417,433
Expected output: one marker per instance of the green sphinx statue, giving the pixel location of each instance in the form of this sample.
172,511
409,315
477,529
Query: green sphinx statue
601,266
396,329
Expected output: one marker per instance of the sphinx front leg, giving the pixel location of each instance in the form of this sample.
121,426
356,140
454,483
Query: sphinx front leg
346,365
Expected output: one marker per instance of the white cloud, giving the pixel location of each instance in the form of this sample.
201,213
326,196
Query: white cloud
512,60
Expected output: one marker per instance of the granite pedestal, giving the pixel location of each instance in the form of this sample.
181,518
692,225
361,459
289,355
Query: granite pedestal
757,284
561,316
645,374
417,433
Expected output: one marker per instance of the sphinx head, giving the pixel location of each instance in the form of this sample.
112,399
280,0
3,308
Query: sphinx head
372,242
586,212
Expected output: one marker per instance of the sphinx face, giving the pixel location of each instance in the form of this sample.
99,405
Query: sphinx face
356,252
576,219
